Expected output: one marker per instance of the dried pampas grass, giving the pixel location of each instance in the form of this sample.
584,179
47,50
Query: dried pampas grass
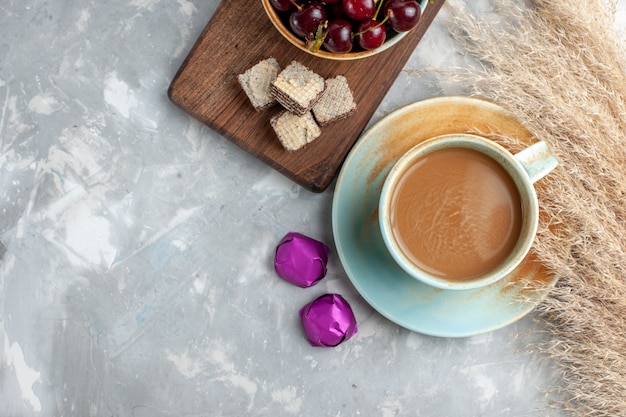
560,67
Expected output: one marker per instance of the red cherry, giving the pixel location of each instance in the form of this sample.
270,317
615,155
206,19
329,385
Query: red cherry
403,14
305,20
359,9
371,34
339,36
282,5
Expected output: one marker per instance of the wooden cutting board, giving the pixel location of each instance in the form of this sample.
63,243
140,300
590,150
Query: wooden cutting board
238,36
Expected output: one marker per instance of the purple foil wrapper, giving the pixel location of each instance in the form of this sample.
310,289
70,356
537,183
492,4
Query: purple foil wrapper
328,321
301,260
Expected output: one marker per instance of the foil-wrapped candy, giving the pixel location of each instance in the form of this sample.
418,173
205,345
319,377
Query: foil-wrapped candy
300,259
328,321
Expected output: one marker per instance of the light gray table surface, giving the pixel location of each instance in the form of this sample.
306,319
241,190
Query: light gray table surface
136,246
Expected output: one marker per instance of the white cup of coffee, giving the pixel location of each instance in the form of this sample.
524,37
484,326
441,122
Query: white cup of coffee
460,211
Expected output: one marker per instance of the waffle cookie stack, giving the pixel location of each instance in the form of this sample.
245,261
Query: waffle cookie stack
309,101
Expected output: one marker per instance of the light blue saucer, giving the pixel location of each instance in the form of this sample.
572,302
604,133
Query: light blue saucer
372,270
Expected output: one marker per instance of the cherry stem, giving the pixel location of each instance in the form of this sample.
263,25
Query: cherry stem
296,5
382,22
380,4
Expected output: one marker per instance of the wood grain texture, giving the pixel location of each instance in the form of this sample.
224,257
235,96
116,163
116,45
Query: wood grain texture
238,36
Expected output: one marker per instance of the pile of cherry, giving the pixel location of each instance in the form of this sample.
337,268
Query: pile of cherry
342,26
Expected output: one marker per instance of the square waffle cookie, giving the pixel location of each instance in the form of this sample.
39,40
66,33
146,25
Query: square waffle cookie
295,131
297,88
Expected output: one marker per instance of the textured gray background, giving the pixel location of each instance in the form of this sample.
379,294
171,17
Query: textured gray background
136,246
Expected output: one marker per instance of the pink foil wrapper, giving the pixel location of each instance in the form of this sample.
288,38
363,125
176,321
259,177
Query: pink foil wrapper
328,321
301,260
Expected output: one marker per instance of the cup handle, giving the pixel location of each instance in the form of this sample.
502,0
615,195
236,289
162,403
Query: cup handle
537,160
